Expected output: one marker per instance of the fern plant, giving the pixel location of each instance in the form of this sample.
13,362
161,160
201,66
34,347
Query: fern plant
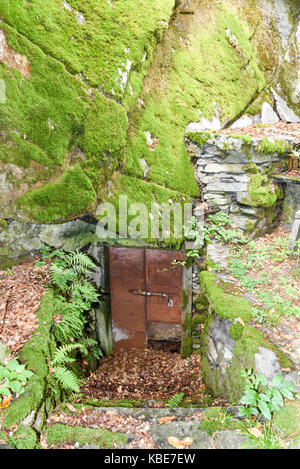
66,377
175,400
73,296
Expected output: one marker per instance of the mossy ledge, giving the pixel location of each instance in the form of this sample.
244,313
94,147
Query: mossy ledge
104,439
228,343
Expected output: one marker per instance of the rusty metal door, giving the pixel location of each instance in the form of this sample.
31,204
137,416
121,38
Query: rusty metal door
145,296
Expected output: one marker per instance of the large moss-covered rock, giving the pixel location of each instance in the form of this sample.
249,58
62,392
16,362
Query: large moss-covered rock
93,89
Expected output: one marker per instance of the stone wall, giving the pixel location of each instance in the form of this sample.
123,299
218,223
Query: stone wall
230,344
235,174
291,205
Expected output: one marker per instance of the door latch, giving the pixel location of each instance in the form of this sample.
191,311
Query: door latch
169,301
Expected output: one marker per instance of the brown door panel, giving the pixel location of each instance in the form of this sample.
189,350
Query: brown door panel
138,270
162,276
135,339
127,272
129,315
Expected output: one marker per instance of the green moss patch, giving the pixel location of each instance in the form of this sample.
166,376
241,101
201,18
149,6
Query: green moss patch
23,438
59,434
278,146
261,192
288,420
196,71
102,43
73,194
225,305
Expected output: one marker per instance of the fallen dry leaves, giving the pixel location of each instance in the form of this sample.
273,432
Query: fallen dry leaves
111,420
20,294
167,419
144,374
281,129
256,432
180,444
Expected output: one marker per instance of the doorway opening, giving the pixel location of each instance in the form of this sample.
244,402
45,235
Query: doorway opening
146,298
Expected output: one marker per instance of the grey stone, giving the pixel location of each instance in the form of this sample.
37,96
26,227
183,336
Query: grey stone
283,21
294,377
4,351
285,113
221,168
99,274
67,6
220,344
80,17
227,187
69,236
180,430
295,233
39,419
103,326
145,166
246,209
225,178
291,201
244,222
4,446
242,122
229,439
204,124
267,363
218,253
29,420
268,115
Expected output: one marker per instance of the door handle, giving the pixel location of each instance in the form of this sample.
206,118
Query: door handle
169,301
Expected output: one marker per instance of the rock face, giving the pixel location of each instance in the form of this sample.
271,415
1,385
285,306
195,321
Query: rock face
285,113
235,173
94,100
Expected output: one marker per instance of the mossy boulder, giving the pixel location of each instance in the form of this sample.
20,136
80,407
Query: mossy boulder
98,96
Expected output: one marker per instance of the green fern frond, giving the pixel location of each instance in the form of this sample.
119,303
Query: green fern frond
93,345
175,400
61,277
61,354
67,379
80,262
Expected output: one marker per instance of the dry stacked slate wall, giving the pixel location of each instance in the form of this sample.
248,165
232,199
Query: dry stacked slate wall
235,173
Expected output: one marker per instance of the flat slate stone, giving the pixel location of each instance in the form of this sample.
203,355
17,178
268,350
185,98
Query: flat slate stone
229,439
180,430
268,115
